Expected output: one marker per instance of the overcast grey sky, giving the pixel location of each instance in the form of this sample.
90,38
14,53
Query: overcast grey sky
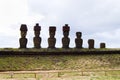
96,19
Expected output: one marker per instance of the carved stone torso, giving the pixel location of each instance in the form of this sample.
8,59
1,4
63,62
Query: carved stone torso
65,42
37,42
51,42
78,42
91,43
102,45
23,42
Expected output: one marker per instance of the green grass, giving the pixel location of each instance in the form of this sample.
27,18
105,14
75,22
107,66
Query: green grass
60,62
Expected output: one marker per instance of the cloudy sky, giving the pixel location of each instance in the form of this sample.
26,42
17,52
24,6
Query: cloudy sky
96,19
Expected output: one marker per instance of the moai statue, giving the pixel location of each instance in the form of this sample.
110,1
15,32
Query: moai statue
78,40
52,39
102,45
66,39
91,43
23,40
37,39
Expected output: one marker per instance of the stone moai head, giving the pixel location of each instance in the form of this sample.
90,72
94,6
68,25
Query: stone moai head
66,30
52,30
91,43
23,30
37,30
102,45
78,34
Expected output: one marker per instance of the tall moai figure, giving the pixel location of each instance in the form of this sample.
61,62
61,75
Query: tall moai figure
91,43
78,40
102,45
66,39
52,39
37,38
23,40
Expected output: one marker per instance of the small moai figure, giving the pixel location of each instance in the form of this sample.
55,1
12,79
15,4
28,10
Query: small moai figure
37,38
102,45
52,39
23,40
66,39
78,40
91,43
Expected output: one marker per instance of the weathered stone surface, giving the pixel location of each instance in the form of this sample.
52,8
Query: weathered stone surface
51,39
23,27
66,28
66,39
37,27
102,45
37,42
78,40
23,30
91,43
23,40
37,38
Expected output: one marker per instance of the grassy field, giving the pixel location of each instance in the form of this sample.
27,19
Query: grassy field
60,62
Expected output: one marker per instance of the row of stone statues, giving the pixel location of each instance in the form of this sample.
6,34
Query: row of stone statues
52,40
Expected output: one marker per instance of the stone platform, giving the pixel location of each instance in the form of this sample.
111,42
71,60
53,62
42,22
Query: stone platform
57,51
